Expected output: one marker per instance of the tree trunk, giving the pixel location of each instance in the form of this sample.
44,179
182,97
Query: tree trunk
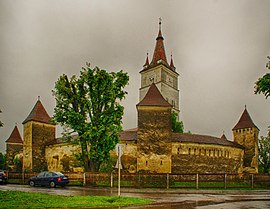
85,159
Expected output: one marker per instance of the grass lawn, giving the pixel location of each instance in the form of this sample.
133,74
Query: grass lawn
16,199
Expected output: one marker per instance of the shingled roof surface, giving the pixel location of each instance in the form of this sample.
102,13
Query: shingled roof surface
153,98
15,136
129,135
203,139
159,53
245,121
38,114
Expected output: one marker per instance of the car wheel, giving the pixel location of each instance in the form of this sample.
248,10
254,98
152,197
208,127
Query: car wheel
32,183
52,184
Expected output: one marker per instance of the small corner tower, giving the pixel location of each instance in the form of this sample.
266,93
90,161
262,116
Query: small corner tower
246,133
154,133
14,146
162,74
38,131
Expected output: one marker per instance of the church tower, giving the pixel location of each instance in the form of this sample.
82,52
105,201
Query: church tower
38,131
246,133
161,73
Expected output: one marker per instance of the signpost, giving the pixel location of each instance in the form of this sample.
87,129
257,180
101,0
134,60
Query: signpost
119,152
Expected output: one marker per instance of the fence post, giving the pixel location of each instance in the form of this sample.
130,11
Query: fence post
111,180
23,177
168,180
225,180
139,183
197,181
252,181
84,179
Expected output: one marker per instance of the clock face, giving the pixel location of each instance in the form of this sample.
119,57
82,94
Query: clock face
152,77
169,80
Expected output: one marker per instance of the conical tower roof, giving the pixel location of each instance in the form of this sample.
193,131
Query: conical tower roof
15,136
153,98
38,114
159,53
245,121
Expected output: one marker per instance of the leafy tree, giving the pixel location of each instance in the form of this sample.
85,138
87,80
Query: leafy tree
89,105
1,123
3,161
262,85
177,126
264,152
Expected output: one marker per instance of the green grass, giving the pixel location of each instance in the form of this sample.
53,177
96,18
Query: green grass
16,199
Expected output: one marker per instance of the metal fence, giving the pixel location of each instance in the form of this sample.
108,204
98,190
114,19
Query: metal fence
195,180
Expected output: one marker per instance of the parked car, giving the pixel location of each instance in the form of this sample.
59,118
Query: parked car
3,177
51,179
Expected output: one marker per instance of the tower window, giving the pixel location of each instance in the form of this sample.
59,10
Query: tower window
161,162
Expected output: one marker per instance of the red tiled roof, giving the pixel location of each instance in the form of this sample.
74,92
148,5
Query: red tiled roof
15,136
159,53
153,98
38,114
223,137
203,139
171,64
129,135
245,121
146,61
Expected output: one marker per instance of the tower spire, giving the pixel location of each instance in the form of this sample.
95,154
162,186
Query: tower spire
159,53
147,60
171,63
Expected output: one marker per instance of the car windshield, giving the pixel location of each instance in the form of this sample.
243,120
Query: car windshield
41,174
59,174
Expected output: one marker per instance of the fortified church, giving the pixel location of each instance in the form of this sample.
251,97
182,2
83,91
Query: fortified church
152,146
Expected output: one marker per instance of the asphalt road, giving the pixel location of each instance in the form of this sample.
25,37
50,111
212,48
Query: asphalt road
168,199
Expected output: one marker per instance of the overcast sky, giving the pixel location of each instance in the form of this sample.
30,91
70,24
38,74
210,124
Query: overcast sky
219,50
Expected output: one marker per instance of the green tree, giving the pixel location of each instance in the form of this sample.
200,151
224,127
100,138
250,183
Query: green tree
262,85
89,105
3,161
177,126
1,123
264,152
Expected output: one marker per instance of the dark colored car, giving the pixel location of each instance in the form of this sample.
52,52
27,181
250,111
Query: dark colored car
51,179
3,177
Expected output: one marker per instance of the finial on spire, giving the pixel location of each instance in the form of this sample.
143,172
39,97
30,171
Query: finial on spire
160,23
245,107
38,98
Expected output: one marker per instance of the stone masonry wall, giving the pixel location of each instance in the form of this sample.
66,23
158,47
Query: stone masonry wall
27,147
12,150
202,158
248,138
154,139
59,157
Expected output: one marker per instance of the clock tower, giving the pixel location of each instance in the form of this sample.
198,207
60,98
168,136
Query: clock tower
162,74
